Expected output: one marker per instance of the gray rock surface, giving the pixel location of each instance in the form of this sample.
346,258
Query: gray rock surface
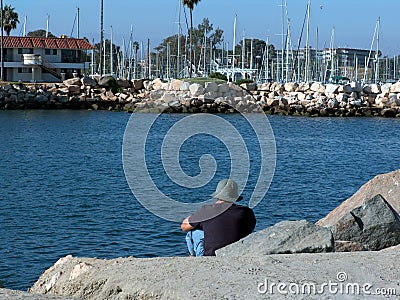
284,237
219,277
375,224
19,295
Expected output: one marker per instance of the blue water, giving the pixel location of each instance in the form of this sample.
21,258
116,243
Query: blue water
63,188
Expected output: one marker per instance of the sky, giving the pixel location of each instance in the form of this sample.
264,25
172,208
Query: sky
354,21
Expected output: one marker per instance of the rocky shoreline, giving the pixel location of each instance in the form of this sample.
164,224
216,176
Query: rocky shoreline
178,96
356,246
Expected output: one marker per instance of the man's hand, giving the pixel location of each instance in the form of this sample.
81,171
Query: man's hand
185,226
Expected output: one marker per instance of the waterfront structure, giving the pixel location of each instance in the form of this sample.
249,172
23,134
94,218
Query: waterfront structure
43,59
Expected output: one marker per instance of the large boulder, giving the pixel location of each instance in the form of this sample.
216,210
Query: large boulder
72,81
211,87
87,81
387,185
124,83
196,89
291,86
331,89
138,84
285,237
106,81
318,88
374,224
395,88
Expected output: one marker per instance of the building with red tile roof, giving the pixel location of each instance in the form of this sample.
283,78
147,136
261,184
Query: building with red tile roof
44,59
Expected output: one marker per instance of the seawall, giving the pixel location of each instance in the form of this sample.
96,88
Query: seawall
177,96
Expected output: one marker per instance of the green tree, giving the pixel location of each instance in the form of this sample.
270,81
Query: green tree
40,33
190,4
10,19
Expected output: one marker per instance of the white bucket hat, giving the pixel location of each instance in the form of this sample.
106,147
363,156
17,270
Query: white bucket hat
227,190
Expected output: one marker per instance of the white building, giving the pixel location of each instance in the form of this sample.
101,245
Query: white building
44,59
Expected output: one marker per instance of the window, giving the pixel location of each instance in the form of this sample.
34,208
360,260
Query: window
24,70
50,51
25,50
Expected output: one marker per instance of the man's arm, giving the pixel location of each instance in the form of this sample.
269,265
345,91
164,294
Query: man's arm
185,226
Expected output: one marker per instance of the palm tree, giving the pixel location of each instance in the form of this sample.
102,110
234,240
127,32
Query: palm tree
10,19
191,4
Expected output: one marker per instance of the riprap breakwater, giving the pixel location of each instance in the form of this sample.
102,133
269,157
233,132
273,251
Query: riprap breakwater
180,96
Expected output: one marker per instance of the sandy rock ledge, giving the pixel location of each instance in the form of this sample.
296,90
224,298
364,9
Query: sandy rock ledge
219,277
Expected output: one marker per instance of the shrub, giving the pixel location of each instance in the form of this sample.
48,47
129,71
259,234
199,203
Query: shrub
244,80
218,75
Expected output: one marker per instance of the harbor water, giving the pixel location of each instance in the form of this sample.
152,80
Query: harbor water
63,188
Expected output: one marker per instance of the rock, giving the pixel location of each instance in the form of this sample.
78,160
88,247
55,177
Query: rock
333,103
356,86
196,89
124,83
72,81
157,84
342,97
317,87
211,87
222,277
303,87
138,84
346,88
277,87
74,89
285,237
156,95
387,185
395,88
389,112
41,98
272,102
106,81
348,246
385,89
374,224
223,88
249,86
1,285
291,86
184,86
331,89
393,248
176,85
372,89
168,97
87,81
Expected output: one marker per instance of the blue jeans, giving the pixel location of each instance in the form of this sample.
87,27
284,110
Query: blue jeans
195,242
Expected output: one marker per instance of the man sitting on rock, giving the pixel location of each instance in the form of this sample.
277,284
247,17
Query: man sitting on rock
217,225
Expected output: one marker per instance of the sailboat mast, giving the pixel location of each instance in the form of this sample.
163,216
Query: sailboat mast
378,25
178,56
25,21
47,25
78,13
307,71
234,43
101,36
283,40
111,54
243,51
